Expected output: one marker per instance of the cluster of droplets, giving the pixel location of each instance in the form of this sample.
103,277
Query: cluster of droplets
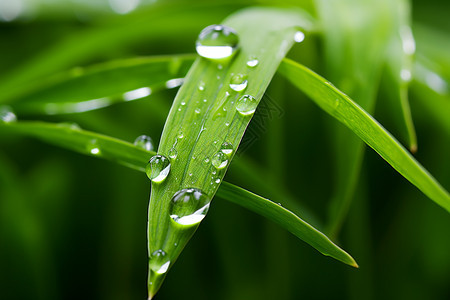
189,206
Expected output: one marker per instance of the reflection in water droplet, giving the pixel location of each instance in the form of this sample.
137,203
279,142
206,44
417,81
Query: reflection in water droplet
173,153
252,62
219,160
189,206
145,142
227,149
217,42
158,168
7,115
137,94
246,105
159,262
238,82
299,37
93,147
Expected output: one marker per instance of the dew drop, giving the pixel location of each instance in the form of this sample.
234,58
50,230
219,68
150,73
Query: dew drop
252,62
158,168
145,142
159,262
201,86
246,105
7,115
217,42
219,160
299,37
189,206
206,160
180,135
173,153
197,110
183,103
93,147
238,82
227,149
217,180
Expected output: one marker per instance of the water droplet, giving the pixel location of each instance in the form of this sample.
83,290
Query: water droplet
158,168
227,149
204,100
189,206
145,142
219,66
173,153
70,125
246,105
299,37
214,172
217,180
238,82
217,42
405,75
93,147
183,103
180,135
206,160
201,86
219,160
197,110
159,262
227,124
252,62
7,115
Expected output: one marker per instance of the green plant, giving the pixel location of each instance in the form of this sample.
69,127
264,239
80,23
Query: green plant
209,117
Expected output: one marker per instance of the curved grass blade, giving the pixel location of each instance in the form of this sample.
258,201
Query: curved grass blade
286,219
83,89
206,115
73,138
342,108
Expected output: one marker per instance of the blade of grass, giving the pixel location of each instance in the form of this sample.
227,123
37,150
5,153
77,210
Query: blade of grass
135,157
83,89
196,129
345,110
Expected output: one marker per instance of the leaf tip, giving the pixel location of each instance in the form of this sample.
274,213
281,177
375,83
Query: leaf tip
413,148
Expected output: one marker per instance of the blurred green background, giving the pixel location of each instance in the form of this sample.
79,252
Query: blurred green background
74,227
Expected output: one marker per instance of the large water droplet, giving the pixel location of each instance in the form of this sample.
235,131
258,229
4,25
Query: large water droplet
189,206
227,149
7,115
217,42
158,168
246,105
219,160
252,62
238,82
159,262
93,148
145,142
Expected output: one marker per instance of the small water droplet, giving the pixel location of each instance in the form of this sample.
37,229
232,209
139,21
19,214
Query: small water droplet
189,206
204,100
217,180
227,149
190,174
70,125
252,62
159,262
214,172
246,105
206,160
238,82
183,103
217,42
180,135
219,160
93,147
173,153
158,168
227,123
201,86
7,115
145,142
197,110
219,66
299,37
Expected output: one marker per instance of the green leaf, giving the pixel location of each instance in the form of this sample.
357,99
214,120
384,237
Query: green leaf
204,116
345,110
83,89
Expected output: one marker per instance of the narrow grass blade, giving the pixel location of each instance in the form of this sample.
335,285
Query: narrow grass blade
286,219
135,157
207,115
83,89
345,110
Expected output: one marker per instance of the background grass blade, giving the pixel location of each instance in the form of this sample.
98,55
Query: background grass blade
135,157
117,81
341,107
